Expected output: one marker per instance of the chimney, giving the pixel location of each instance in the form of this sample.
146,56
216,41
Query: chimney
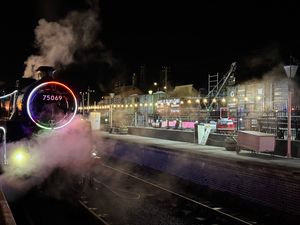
133,80
45,71
32,70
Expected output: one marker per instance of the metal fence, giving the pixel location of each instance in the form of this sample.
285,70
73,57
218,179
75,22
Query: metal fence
274,122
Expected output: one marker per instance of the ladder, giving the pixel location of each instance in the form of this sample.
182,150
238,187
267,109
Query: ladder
213,83
223,81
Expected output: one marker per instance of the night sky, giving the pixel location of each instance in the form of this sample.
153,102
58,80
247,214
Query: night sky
194,39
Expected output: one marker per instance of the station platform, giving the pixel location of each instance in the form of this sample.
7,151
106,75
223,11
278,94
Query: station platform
292,165
6,217
263,178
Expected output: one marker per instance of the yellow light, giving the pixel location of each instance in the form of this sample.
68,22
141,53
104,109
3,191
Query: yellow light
205,100
189,101
19,105
135,105
223,100
258,97
246,99
181,102
214,100
6,106
19,157
197,100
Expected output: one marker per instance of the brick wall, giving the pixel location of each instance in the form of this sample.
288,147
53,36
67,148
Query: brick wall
275,187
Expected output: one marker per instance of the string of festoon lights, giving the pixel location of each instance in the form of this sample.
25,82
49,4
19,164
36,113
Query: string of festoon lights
160,103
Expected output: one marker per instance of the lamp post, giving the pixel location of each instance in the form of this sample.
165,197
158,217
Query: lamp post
156,86
165,89
83,104
111,110
150,106
88,97
237,113
150,92
290,71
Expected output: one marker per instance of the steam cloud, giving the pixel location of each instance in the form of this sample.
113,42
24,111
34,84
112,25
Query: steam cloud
67,148
274,74
58,41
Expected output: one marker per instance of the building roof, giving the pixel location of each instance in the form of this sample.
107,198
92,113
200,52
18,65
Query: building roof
184,91
126,91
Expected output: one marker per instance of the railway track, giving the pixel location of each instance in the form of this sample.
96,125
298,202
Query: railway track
120,197
120,193
214,213
126,193
45,205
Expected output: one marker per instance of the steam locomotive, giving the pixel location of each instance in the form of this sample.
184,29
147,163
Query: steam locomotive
40,105
41,151
44,104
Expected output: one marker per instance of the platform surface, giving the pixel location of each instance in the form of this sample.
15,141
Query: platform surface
291,165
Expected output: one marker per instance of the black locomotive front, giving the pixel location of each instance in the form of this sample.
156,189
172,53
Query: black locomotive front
45,104
51,105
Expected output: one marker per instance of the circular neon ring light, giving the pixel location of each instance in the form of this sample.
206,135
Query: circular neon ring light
32,94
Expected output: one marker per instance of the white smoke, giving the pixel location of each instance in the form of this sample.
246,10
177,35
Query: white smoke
67,148
274,74
58,41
